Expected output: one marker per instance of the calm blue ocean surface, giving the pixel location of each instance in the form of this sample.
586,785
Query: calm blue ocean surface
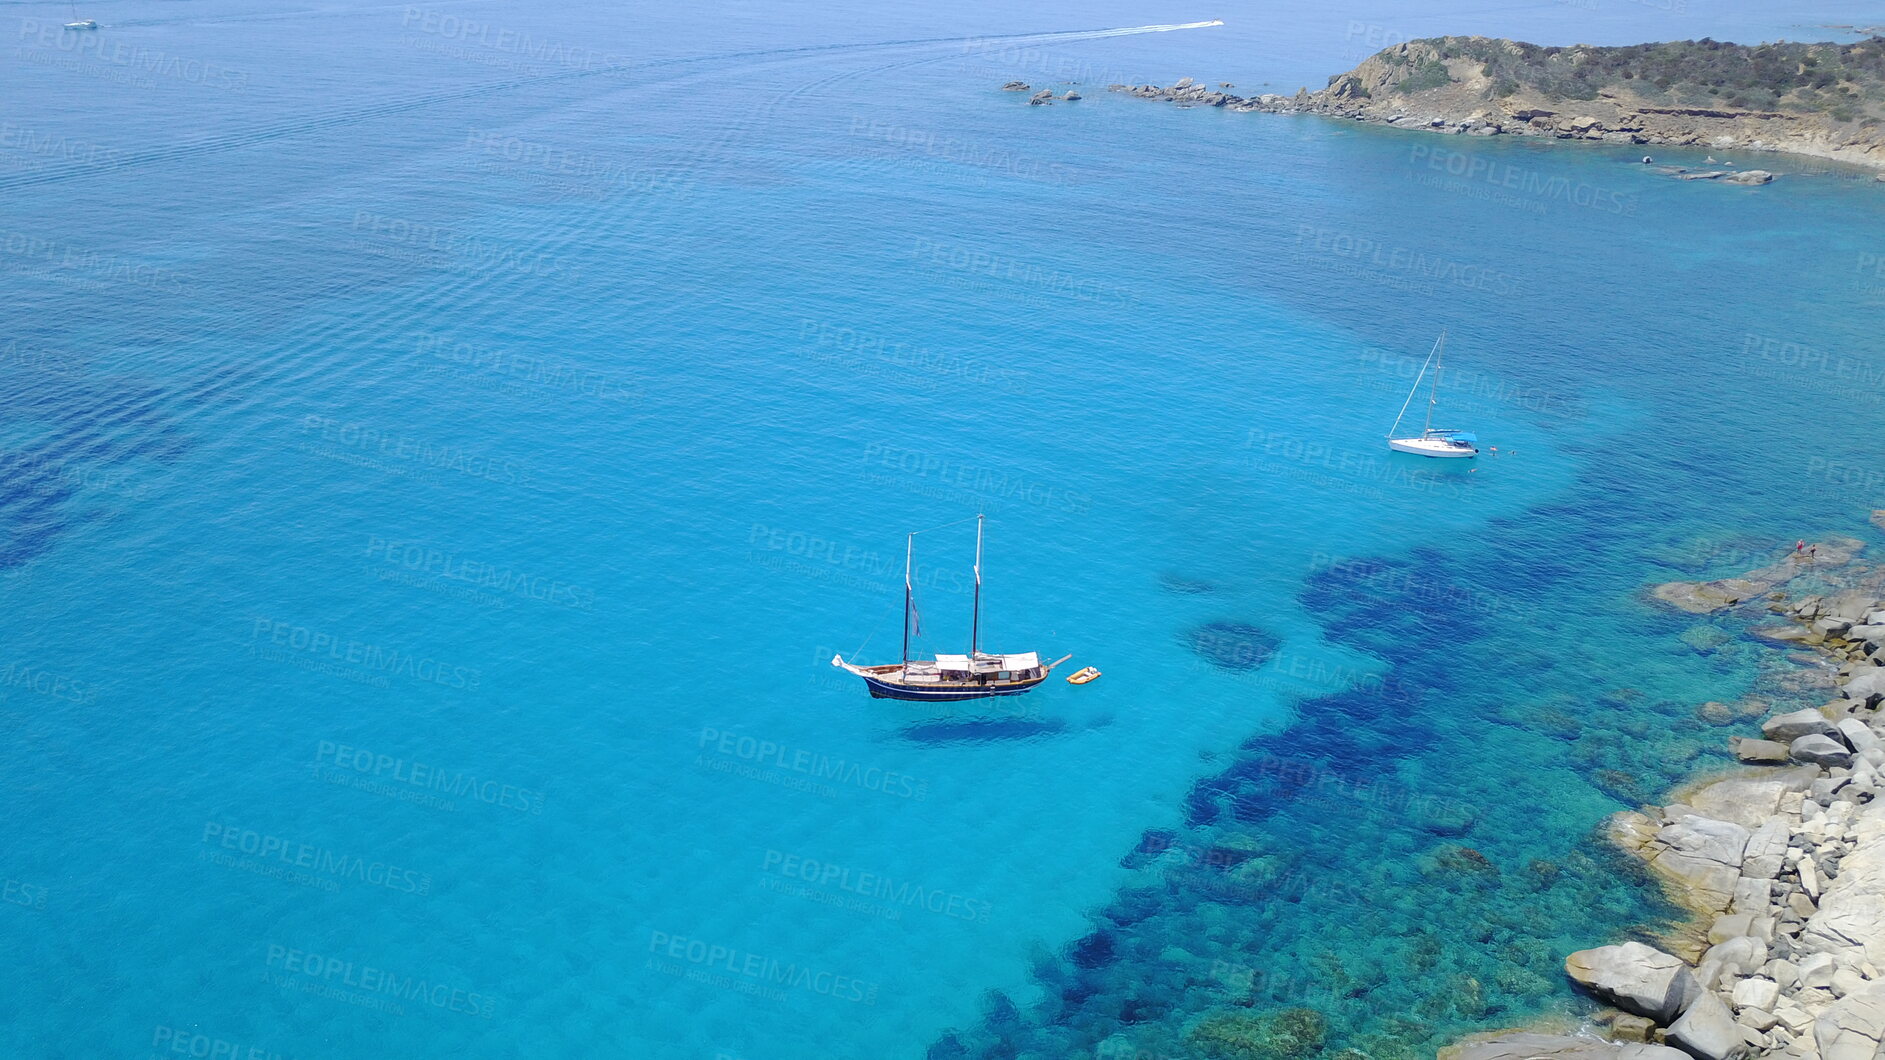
443,446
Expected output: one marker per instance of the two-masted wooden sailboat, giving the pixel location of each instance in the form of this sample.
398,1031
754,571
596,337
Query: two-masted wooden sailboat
977,675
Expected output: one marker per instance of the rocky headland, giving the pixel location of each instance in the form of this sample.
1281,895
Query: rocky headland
1824,100
1782,863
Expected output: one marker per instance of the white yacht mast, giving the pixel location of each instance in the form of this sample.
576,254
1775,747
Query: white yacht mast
1415,389
1433,394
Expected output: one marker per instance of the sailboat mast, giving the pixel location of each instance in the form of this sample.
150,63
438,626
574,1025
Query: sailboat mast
1415,389
909,552
975,621
1439,349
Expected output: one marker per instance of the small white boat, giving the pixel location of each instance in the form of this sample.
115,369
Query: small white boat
1432,441
84,23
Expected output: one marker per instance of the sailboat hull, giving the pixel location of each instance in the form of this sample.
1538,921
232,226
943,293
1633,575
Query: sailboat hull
948,677
947,693
1436,447
922,681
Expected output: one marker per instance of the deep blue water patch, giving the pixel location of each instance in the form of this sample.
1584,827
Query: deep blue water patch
1468,922
1231,645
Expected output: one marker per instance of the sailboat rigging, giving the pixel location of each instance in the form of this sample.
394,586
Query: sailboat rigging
1432,441
976,675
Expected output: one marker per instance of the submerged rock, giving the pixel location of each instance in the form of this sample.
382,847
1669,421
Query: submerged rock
1780,634
1448,817
1291,1034
1705,639
1233,645
1530,1046
1630,830
1462,862
1624,786
1704,597
1178,583
1760,752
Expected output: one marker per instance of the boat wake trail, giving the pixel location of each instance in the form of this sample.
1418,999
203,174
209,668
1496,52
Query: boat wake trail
1095,34
196,147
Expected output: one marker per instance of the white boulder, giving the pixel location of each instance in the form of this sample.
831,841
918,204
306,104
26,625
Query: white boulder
1786,728
1821,751
1635,978
1708,1032
1723,842
1755,992
1746,801
1816,970
1850,922
1868,687
1852,1027
1766,850
1856,735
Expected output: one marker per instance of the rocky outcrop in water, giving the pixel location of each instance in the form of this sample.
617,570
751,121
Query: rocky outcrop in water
1636,978
1783,865
1705,597
1312,883
1813,99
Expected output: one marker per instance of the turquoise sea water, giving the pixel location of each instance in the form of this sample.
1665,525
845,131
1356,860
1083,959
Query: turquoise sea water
444,446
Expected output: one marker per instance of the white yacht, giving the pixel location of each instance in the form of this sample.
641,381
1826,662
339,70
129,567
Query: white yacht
1432,441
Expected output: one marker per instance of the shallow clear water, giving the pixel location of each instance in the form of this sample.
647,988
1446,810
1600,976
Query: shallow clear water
441,462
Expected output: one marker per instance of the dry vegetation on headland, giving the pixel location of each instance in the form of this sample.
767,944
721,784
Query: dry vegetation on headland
1825,100
1783,863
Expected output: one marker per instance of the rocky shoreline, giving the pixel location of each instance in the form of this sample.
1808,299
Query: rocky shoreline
1782,863
1542,123
1385,90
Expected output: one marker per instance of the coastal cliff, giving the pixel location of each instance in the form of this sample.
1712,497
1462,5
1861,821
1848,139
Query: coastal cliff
1824,100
